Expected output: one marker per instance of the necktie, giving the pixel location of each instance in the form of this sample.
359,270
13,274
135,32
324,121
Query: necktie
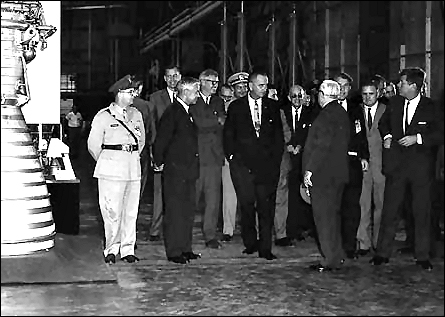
406,118
208,100
256,111
296,119
369,118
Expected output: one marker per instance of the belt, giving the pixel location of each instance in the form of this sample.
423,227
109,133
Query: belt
353,153
121,147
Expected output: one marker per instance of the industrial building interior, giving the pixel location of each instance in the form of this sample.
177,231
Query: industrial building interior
295,42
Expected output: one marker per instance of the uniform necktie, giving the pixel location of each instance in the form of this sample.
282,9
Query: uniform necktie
406,118
369,118
256,112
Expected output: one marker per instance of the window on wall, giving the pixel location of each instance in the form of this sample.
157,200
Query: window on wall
68,83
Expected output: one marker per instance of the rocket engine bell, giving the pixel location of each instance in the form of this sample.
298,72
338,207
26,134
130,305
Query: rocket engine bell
27,224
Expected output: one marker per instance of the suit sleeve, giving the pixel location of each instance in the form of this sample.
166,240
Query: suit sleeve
434,135
229,132
363,147
385,121
286,129
95,138
165,134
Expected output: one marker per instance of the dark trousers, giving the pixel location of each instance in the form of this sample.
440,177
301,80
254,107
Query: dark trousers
254,198
299,217
350,205
74,137
179,200
326,201
145,169
419,183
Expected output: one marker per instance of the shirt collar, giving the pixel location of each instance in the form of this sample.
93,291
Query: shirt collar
183,104
414,101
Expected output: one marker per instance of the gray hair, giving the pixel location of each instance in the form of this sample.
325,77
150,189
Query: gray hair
330,88
186,83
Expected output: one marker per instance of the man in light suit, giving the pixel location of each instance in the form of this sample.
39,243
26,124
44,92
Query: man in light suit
325,162
253,145
161,100
209,116
175,152
373,180
411,126
116,140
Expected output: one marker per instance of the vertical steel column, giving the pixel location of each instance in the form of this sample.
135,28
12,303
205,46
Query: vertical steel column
314,60
428,49
241,38
89,49
358,60
326,44
272,48
224,49
116,59
293,47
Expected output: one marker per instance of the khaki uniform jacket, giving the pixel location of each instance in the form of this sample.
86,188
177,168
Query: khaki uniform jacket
105,129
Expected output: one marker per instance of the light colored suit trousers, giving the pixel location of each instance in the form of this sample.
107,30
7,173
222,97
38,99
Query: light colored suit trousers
229,203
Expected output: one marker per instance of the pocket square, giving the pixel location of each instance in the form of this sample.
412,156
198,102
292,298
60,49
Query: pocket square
421,122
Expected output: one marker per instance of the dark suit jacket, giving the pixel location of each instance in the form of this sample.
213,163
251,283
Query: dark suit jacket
307,117
176,144
261,155
210,131
149,124
358,140
427,120
160,101
326,150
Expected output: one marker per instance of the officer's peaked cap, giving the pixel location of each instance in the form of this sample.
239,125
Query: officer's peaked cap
125,82
237,78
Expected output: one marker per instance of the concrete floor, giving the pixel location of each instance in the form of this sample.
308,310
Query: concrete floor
225,282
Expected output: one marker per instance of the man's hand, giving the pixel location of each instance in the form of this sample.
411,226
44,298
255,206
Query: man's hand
408,140
290,148
365,165
157,168
387,143
307,179
297,149
221,120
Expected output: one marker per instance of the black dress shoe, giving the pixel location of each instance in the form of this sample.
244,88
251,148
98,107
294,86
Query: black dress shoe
154,238
352,255
378,260
178,259
110,258
320,268
426,265
250,250
267,256
283,242
214,244
191,256
363,252
130,258
226,238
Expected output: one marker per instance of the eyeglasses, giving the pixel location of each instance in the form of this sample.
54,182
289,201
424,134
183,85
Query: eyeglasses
214,82
131,92
299,96
226,97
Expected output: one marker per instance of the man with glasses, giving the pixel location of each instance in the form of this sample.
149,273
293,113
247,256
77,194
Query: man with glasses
116,140
161,100
358,158
208,114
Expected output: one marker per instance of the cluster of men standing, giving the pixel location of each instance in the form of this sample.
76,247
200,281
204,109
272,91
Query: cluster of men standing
257,152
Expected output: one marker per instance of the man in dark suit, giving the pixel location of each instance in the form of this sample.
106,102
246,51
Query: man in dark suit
299,116
411,126
209,116
161,99
358,155
253,145
325,162
175,152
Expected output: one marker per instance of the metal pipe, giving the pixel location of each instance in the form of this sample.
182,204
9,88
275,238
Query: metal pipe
428,48
89,49
108,6
116,59
358,59
241,39
179,26
293,47
272,48
224,49
326,45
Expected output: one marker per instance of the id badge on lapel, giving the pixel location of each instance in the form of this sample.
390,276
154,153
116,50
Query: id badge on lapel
358,126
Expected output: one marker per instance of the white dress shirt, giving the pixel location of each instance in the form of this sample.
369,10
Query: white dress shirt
252,108
294,112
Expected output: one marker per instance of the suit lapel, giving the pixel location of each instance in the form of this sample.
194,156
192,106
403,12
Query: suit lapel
165,97
419,109
378,114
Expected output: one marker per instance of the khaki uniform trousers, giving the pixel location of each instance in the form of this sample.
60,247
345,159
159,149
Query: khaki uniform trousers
119,203
229,200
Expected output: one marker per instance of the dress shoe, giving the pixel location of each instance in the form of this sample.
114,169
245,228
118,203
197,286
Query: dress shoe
226,238
110,258
250,250
267,256
191,256
130,258
154,238
426,265
178,259
283,242
363,252
213,244
320,268
378,260
406,250
352,255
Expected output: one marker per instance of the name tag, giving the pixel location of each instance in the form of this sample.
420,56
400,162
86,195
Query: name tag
422,122
114,125
358,126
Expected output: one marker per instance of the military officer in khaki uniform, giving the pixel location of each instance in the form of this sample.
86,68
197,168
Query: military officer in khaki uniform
116,139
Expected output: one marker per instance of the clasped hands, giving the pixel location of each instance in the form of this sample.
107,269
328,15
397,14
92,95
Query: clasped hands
406,141
157,168
293,149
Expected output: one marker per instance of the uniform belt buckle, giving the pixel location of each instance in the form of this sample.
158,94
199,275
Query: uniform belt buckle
127,148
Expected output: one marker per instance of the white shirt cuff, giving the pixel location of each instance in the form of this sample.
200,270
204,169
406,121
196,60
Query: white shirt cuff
387,136
419,139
